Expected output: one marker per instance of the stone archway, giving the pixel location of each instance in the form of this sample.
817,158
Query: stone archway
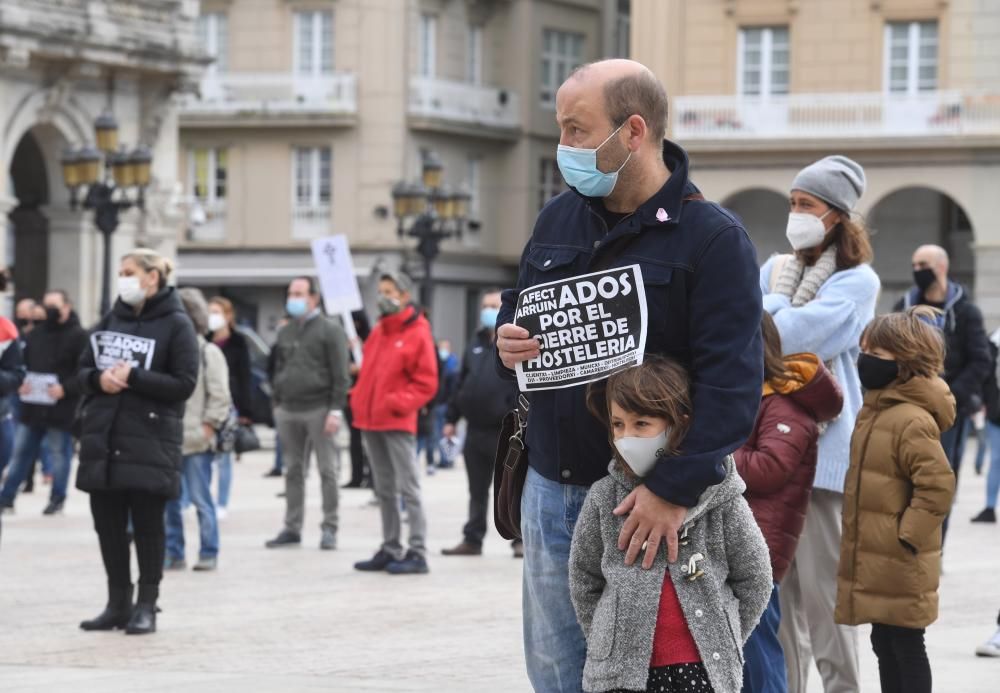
764,213
911,216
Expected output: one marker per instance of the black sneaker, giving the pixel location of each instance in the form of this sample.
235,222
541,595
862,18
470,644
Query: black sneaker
285,538
988,515
53,507
274,473
412,564
380,561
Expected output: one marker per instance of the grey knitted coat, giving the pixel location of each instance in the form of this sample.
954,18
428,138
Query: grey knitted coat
617,605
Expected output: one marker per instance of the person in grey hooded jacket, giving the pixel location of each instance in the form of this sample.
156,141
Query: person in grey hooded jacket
672,627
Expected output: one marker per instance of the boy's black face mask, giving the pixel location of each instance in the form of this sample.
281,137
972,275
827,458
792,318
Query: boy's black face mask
876,373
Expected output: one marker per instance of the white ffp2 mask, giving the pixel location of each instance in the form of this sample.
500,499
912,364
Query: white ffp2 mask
805,230
130,291
641,454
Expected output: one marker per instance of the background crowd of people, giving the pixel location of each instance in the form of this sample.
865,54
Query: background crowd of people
774,428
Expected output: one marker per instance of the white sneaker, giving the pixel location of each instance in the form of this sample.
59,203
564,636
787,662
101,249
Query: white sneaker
991,648
220,513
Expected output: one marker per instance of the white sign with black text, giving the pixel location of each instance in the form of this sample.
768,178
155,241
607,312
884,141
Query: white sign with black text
588,327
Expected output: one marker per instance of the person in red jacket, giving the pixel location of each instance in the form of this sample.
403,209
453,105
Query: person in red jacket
399,375
778,463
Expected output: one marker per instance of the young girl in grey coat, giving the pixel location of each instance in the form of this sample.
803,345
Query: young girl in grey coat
674,627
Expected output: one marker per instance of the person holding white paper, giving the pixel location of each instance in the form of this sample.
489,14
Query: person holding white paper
51,355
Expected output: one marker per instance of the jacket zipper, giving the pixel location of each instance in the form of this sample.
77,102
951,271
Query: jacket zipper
857,498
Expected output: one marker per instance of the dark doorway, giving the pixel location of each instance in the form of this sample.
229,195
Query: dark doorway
31,226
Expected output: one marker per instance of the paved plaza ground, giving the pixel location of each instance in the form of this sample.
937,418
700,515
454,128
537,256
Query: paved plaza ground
304,620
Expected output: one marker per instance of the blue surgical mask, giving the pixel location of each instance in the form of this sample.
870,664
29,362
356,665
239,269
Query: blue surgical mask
579,169
296,307
488,318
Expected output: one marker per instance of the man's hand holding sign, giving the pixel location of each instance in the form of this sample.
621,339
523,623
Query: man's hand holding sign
580,330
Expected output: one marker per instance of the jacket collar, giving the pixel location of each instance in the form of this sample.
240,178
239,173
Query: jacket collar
731,486
669,198
398,321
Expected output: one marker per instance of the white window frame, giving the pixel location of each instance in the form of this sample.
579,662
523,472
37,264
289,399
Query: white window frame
213,227
214,30
474,57
559,64
311,219
549,187
766,60
623,28
427,46
321,57
913,60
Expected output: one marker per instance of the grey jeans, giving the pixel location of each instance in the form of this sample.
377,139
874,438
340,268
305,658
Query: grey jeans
301,432
393,461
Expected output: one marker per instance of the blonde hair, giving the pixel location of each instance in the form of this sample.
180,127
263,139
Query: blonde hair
149,260
912,337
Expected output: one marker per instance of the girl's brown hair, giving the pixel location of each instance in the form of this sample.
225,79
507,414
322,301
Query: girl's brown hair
658,387
227,308
910,336
775,371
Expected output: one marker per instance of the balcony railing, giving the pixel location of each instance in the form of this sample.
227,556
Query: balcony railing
464,103
310,221
274,93
798,116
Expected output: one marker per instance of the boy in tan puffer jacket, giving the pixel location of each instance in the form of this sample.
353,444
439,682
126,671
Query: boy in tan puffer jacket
899,488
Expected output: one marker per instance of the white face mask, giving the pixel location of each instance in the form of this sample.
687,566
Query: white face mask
216,321
130,291
805,230
641,454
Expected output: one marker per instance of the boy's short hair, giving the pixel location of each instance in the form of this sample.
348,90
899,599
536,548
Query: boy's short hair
658,387
912,337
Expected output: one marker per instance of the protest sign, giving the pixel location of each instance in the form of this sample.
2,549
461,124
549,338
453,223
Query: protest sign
39,384
110,348
588,327
338,283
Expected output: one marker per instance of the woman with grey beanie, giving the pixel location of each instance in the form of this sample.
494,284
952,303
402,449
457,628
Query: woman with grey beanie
821,296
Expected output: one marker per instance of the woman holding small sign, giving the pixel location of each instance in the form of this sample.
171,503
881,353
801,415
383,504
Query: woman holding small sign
140,369
821,297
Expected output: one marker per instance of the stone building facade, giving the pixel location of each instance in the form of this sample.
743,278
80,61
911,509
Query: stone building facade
62,64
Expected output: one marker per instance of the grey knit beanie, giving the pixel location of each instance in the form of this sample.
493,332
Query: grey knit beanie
836,180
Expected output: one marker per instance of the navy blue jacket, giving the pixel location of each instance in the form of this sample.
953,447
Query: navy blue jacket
702,285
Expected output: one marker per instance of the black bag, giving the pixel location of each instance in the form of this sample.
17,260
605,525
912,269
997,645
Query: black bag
245,440
510,470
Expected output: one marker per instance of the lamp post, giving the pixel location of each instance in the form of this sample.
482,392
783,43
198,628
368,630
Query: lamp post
107,179
435,212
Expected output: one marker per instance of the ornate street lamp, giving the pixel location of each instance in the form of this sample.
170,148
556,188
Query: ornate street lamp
435,212
118,184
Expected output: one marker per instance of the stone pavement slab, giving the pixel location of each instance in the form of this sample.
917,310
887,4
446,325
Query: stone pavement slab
301,619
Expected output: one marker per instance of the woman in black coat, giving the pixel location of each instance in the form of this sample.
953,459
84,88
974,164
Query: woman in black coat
139,370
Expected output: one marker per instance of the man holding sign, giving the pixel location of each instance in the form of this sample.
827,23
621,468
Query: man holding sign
628,261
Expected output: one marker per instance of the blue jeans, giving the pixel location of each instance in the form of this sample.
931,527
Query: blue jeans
953,442
7,428
225,462
27,446
554,647
195,480
279,462
764,660
993,475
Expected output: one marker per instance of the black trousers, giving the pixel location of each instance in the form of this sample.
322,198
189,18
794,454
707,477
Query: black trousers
111,511
479,451
903,666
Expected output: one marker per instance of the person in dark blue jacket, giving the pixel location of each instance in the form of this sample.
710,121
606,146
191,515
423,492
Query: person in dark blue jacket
631,202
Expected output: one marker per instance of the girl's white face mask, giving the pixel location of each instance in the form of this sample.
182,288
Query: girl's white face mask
641,454
130,290
805,230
